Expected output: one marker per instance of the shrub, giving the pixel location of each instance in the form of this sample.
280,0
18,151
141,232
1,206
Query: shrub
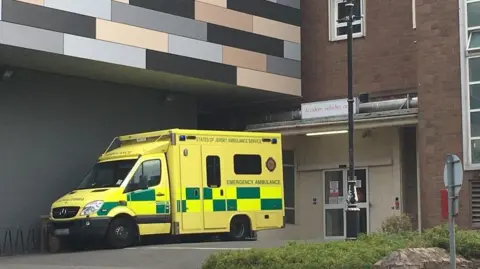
437,236
362,253
467,241
397,224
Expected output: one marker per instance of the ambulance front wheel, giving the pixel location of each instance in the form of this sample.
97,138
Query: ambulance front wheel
122,232
239,228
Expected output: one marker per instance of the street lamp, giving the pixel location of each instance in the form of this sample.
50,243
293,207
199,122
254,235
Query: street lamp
353,212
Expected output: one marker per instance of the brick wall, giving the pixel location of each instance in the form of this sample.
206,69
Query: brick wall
440,115
391,59
383,60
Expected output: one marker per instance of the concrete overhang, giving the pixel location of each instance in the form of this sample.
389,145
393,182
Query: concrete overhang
403,117
213,93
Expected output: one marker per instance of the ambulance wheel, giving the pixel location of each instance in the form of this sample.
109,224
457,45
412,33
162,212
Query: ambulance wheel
239,228
122,233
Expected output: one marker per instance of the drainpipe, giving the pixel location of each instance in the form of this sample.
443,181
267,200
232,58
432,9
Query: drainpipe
414,14
369,107
404,103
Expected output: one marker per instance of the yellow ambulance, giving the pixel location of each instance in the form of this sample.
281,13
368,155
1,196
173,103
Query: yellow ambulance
177,182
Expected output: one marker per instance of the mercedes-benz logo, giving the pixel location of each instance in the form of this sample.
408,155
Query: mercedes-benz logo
63,212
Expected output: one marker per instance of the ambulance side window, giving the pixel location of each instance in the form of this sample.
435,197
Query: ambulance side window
247,164
151,169
213,172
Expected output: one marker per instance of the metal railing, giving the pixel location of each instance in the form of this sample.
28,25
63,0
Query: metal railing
19,240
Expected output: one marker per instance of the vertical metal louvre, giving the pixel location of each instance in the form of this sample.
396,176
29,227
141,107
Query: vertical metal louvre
289,185
475,196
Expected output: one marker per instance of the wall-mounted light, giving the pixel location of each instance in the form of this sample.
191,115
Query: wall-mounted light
367,133
167,98
328,133
5,74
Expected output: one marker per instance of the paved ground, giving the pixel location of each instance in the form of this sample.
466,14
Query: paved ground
174,256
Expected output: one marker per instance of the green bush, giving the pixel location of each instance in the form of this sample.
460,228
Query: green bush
467,241
362,253
340,254
397,224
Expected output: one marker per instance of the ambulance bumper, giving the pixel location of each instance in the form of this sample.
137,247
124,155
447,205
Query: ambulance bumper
94,228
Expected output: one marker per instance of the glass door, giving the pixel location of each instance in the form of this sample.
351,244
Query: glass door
363,203
335,195
334,204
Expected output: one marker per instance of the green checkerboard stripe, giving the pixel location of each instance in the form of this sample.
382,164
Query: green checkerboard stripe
163,207
106,207
221,205
192,193
139,196
181,206
232,205
207,194
271,204
248,192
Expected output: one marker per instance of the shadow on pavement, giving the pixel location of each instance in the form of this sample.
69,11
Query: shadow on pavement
144,241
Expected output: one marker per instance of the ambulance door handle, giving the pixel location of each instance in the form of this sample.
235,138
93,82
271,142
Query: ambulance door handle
160,194
195,192
221,192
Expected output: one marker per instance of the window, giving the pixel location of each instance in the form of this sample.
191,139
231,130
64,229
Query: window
289,185
473,24
213,172
474,41
474,85
151,170
247,164
473,74
338,11
107,174
473,14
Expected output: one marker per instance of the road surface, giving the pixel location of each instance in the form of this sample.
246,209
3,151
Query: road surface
173,256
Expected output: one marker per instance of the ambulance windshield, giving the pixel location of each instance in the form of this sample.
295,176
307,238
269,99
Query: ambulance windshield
107,174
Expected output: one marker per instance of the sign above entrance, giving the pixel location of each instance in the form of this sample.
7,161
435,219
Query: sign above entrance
330,108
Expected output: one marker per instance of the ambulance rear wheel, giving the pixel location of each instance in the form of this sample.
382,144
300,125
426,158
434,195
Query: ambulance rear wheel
239,229
122,233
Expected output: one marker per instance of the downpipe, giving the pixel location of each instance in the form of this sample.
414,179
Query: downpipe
388,105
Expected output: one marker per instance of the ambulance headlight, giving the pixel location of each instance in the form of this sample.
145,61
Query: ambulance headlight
91,208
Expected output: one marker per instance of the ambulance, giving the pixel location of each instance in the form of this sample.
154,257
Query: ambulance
177,182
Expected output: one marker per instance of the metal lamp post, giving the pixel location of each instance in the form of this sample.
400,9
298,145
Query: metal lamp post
353,212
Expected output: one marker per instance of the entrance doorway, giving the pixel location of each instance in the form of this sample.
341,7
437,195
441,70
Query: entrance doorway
334,217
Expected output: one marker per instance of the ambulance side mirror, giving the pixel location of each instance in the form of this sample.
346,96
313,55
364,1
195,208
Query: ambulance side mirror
143,184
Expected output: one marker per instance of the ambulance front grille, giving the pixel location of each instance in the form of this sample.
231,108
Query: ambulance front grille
65,212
